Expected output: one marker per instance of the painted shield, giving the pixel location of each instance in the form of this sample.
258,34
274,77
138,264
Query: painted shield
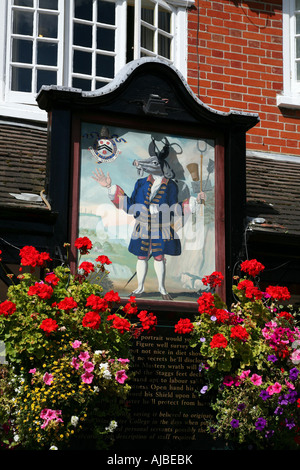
104,150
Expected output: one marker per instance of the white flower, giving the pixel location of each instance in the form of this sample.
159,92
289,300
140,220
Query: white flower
107,374
112,426
104,368
53,448
98,351
74,420
104,365
16,437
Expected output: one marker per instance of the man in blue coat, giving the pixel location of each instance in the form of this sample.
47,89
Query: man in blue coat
154,204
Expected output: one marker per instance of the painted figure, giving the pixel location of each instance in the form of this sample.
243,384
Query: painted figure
154,204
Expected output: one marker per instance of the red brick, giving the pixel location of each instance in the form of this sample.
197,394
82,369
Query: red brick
240,67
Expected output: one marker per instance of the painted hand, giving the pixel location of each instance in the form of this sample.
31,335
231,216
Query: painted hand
201,197
103,180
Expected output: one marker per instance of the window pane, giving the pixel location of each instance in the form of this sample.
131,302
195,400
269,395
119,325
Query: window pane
297,24
106,12
45,77
105,39
21,79
82,35
84,9
147,38
82,62
147,15
47,26
23,3
164,46
46,53
23,22
164,20
297,6
297,48
105,66
100,85
49,4
22,51
84,85
298,71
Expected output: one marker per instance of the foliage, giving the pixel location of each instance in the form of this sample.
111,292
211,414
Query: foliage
251,356
68,354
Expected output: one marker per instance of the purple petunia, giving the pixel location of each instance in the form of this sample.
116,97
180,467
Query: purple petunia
235,423
260,424
283,400
294,373
289,423
278,411
269,434
272,358
264,394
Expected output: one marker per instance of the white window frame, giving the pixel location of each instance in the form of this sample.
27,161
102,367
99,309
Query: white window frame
119,53
29,98
17,104
290,97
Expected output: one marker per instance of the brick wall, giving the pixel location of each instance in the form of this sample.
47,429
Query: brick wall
235,62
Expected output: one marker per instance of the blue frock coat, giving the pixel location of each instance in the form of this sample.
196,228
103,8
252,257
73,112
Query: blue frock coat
152,232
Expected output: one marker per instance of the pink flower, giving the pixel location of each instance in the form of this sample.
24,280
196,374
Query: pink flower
121,376
48,378
88,366
32,371
244,374
256,379
290,385
277,387
75,363
84,356
295,356
123,361
76,344
87,377
228,381
48,415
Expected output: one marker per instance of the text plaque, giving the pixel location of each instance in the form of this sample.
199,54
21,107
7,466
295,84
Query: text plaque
167,409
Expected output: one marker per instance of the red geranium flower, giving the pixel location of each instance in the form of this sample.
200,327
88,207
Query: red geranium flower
286,315
112,296
251,291
213,280
103,259
51,278
96,303
30,256
252,267
130,309
7,308
67,303
49,325
148,320
218,341
205,302
43,291
119,323
83,244
87,267
239,332
91,320
184,326
278,293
